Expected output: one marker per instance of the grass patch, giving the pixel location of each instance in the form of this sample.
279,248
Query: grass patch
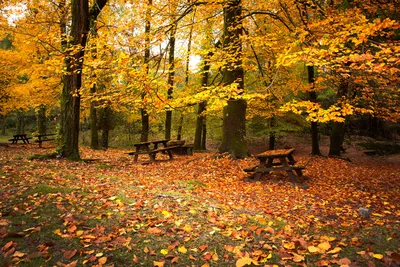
45,189
43,156
192,184
381,148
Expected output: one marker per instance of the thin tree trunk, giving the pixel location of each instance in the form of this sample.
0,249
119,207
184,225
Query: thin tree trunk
200,123
234,114
171,76
201,119
144,136
106,127
204,135
314,125
336,140
271,142
180,126
94,131
41,120
3,127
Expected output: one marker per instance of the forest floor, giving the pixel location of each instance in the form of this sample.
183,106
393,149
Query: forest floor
197,210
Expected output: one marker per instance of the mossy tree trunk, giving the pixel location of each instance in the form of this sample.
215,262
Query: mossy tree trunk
41,120
234,114
314,125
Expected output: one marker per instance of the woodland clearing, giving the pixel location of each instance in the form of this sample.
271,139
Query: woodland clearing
195,211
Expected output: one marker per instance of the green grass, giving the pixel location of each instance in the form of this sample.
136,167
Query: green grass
382,148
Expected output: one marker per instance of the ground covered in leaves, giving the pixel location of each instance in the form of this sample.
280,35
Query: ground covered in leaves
195,211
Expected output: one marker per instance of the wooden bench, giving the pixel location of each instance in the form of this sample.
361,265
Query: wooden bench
286,162
44,138
21,137
153,152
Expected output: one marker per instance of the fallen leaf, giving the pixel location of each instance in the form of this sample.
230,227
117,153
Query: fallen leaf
335,250
103,260
313,249
245,261
158,263
69,254
182,249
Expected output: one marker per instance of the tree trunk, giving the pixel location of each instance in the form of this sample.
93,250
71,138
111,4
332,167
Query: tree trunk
41,120
234,114
20,123
180,126
70,98
201,119
144,136
94,131
271,143
171,75
3,128
336,140
314,125
204,135
335,146
106,127
200,123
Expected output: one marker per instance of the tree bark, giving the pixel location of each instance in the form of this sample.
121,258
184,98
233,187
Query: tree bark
200,123
201,119
144,136
234,114
271,143
171,76
3,128
70,98
180,126
336,139
314,125
41,120
106,126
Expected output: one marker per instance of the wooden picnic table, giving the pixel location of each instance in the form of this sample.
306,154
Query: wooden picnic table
43,138
276,160
21,137
151,148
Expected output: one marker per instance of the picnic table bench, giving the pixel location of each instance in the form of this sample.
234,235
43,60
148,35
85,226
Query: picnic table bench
145,148
21,137
286,162
43,138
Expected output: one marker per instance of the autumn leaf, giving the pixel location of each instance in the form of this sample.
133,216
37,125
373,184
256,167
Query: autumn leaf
378,256
313,249
182,249
69,254
158,263
18,254
245,261
298,258
103,260
324,246
335,250
164,251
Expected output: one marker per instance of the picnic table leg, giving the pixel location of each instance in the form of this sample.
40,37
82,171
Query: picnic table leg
292,176
291,159
257,175
152,156
169,154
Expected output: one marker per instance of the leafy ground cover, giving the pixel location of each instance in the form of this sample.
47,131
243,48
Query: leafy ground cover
195,211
